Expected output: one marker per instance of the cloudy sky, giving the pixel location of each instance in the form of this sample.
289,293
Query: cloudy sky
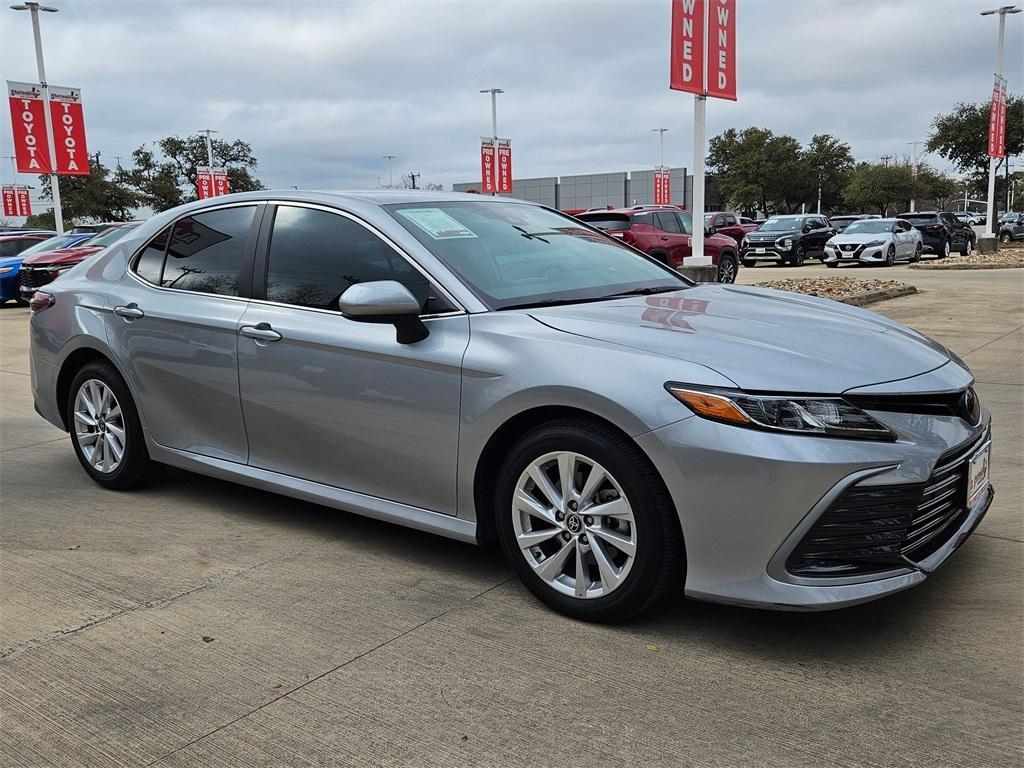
323,88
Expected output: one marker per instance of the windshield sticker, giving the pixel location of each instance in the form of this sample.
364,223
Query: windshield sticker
436,223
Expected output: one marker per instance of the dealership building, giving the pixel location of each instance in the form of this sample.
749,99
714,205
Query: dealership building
598,190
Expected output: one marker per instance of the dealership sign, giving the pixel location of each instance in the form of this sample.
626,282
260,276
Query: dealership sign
997,119
504,166
662,186
28,122
16,201
703,54
211,182
487,166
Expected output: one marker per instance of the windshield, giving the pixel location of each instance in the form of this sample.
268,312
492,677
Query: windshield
868,226
108,237
60,241
516,255
782,224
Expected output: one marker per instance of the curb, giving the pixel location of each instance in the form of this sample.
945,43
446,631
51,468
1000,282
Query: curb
871,297
965,266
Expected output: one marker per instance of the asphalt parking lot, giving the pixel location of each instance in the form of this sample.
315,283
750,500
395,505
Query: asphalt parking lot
202,623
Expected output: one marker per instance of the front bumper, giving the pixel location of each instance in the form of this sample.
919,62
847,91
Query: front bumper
858,254
746,498
767,251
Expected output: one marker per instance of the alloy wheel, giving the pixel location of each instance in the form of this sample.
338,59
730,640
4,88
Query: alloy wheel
890,256
574,525
726,271
99,426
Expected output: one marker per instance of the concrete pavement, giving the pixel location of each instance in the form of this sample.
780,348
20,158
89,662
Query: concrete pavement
202,623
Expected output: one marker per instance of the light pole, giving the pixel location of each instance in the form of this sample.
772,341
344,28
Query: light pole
661,137
991,207
389,158
34,8
494,120
913,175
209,146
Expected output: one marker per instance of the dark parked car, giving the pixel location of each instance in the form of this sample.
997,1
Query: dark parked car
1012,229
943,232
663,232
729,224
787,240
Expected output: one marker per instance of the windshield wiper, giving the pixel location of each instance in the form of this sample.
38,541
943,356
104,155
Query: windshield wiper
554,302
648,291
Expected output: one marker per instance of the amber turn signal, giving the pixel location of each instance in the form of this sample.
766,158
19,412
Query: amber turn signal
710,406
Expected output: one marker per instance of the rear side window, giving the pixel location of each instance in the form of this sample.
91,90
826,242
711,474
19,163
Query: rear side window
315,256
206,251
667,221
149,264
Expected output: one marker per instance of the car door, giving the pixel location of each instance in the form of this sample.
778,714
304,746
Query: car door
676,243
958,232
338,401
907,238
174,329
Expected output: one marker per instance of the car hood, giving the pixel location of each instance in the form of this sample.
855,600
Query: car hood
60,256
759,338
859,237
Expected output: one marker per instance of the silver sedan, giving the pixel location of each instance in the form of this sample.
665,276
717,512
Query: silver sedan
487,368
875,241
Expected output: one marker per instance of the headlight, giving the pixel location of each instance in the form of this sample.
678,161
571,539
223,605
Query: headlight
874,244
5,270
744,240
831,416
785,242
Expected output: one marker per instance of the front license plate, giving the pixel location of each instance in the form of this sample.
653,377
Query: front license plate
759,250
977,475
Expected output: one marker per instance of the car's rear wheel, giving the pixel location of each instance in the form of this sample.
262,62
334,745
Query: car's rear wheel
968,248
727,269
105,429
944,249
587,523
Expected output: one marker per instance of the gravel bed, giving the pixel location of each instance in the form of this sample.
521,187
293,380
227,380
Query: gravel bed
1007,257
849,290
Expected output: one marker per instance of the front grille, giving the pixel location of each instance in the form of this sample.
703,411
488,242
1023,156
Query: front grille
870,529
34,278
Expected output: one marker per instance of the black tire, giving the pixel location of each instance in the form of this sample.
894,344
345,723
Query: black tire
659,256
20,301
659,563
727,269
136,468
968,248
944,249
1005,237
831,264
917,253
890,256
799,256
748,263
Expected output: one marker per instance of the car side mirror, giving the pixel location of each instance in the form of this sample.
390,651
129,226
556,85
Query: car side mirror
385,301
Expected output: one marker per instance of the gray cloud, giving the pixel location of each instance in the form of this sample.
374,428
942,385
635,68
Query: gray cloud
323,89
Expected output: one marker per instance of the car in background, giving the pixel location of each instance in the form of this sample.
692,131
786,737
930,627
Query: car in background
728,224
13,243
943,232
786,240
874,241
10,264
42,268
839,223
1012,229
1008,216
663,232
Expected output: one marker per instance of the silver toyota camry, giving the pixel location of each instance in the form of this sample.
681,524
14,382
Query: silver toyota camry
487,368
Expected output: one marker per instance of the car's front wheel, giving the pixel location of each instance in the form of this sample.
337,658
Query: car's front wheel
727,269
798,257
917,253
1006,237
890,256
587,523
105,429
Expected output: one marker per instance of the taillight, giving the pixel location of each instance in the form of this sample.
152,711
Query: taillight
41,300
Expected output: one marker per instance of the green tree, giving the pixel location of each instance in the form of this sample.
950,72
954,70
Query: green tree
882,188
164,175
98,196
831,163
961,136
937,190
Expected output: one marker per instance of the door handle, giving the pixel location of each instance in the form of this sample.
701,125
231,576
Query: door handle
663,237
260,332
129,312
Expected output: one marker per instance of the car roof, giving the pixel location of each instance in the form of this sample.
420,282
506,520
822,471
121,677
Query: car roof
23,235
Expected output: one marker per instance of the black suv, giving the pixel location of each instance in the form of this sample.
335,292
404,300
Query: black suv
942,232
787,240
1011,229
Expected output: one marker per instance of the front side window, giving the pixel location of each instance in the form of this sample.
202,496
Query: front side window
316,255
516,254
206,251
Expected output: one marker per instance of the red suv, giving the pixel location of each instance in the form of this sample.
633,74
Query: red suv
663,232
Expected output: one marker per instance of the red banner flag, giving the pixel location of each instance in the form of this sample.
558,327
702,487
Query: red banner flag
686,60
10,201
722,50
505,166
221,185
204,182
68,131
24,202
662,187
28,121
997,120
487,182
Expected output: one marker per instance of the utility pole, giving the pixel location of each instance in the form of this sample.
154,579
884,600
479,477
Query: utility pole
885,160
413,177
913,175
34,8
661,137
209,146
494,121
389,158
991,207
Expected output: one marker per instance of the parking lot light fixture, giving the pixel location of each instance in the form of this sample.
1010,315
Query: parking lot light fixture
990,224
34,9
